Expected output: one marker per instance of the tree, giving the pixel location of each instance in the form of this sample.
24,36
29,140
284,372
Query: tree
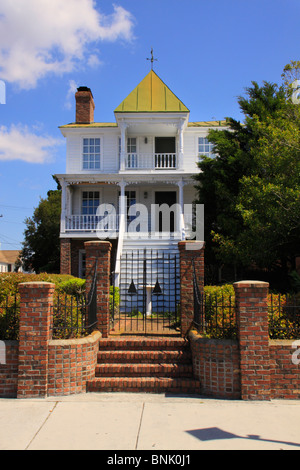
269,198
220,179
41,247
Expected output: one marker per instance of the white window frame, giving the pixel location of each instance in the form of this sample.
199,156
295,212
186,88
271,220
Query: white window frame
89,154
132,156
88,190
207,147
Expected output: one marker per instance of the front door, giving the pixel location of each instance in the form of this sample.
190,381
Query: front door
165,145
169,198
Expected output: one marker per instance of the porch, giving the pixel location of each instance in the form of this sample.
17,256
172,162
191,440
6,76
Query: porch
132,206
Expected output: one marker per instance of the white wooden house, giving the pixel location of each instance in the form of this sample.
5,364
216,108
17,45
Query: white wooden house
147,156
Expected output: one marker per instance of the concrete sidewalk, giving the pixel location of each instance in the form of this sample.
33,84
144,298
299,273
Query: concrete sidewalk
121,421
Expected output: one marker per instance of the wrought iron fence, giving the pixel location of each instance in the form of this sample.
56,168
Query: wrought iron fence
69,317
284,316
214,314
75,316
9,317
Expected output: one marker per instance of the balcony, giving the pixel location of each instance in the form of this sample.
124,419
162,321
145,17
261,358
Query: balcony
108,226
91,223
157,161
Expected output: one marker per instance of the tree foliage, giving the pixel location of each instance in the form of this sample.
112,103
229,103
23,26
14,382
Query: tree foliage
251,190
41,248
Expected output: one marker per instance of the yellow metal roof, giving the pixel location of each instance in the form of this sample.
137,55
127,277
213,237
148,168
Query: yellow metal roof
92,124
208,124
151,96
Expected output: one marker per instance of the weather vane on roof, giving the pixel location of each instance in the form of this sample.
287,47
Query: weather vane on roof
152,58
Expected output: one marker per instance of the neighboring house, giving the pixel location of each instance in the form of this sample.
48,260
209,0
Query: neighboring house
149,155
8,259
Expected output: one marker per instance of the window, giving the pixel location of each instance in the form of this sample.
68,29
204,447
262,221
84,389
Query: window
130,201
205,147
90,202
91,154
131,152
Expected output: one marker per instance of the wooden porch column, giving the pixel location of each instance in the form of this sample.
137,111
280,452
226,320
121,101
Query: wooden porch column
181,215
123,145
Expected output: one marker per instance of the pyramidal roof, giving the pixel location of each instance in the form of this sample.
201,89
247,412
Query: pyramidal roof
151,96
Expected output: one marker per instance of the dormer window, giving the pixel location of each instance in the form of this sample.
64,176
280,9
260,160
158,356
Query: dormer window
91,154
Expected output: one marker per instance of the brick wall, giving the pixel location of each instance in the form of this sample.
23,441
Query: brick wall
284,374
100,251
251,299
71,364
36,305
251,368
37,366
189,251
65,256
9,370
216,366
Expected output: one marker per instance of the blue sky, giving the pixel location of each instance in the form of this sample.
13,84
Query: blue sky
207,51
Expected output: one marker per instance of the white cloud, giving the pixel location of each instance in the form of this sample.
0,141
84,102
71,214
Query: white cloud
70,94
38,37
19,143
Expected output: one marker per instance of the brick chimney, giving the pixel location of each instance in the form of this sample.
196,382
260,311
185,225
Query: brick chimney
84,105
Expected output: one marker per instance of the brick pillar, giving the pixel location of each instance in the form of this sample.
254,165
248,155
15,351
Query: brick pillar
36,310
100,250
189,250
65,256
253,334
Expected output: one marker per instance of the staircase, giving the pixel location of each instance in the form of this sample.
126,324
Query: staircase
144,364
133,252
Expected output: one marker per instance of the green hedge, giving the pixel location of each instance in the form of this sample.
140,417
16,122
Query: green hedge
66,288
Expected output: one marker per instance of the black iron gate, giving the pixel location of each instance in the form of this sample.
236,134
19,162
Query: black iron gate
148,295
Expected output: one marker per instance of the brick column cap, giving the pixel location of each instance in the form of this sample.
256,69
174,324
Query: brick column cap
37,284
191,245
251,284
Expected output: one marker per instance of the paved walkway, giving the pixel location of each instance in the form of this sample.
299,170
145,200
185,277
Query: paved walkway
135,422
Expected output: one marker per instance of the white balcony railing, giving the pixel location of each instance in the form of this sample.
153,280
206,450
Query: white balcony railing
157,161
89,223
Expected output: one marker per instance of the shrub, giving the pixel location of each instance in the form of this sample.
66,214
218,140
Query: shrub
114,299
66,285
75,287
